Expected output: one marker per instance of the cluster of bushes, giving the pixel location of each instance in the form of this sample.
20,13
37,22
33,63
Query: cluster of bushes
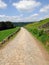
6,25
41,35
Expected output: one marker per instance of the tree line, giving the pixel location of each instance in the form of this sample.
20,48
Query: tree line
6,25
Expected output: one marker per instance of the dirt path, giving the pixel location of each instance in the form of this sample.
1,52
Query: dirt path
22,50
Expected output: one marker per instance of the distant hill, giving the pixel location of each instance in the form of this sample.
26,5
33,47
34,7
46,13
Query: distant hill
21,24
42,24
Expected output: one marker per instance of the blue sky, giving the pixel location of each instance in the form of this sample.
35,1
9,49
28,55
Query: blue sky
23,10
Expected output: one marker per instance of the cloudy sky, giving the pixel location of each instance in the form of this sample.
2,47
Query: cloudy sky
23,10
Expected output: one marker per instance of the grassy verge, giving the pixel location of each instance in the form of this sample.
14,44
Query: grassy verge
5,33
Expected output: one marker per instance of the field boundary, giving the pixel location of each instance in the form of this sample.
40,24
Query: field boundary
9,37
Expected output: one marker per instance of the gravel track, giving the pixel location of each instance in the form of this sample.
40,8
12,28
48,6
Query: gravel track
22,50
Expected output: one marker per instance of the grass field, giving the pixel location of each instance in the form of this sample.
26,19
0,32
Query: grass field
39,33
5,33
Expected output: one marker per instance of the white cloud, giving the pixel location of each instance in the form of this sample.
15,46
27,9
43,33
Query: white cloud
19,18
2,4
1,16
46,16
45,9
10,18
32,17
26,5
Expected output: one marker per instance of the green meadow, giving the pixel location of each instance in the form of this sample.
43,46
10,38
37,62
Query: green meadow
5,33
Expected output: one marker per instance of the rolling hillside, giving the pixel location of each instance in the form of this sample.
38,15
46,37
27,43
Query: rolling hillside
40,23
40,30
